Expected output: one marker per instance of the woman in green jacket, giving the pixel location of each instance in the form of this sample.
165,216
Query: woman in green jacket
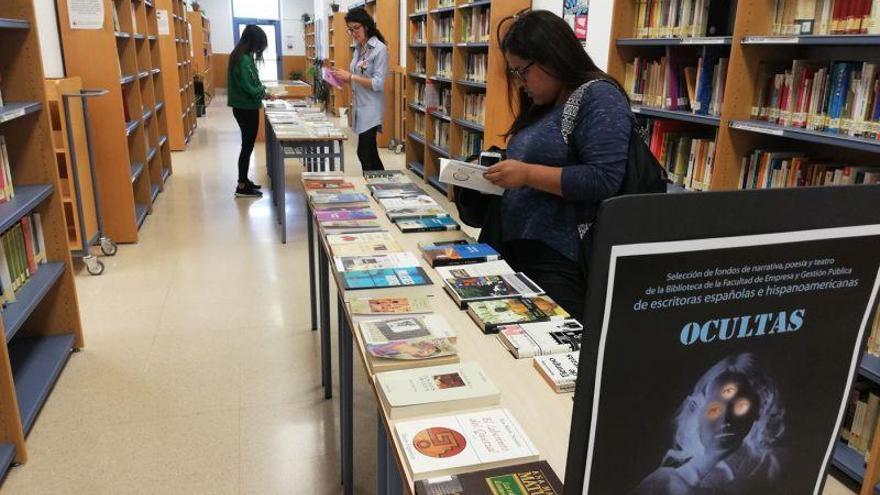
246,94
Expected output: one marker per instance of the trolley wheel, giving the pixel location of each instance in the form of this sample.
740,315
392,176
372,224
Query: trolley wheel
108,247
94,266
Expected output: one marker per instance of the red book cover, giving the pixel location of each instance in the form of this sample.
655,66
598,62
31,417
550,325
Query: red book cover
866,14
852,7
29,244
836,15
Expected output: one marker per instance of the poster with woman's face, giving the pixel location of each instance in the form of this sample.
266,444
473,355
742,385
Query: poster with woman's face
725,364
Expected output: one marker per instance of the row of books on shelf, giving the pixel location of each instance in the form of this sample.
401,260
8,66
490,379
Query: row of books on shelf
688,156
443,28
420,65
673,84
419,93
117,26
874,336
7,190
475,107
419,30
444,64
419,123
476,66
22,251
775,169
441,134
837,97
471,143
861,417
421,5
476,25
444,103
683,18
824,17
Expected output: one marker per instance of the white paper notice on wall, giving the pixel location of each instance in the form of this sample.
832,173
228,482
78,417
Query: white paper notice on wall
86,14
162,21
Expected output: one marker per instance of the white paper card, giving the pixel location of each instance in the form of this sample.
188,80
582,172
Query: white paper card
467,175
162,21
86,14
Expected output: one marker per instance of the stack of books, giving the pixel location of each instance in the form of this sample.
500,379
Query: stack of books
769,169
535,478
405,342
559,370
836,97
416,212
543,338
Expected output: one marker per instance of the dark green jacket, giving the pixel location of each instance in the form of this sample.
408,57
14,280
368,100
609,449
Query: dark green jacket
244,86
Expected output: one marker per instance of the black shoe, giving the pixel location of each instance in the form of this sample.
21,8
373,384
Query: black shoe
255,186
247,191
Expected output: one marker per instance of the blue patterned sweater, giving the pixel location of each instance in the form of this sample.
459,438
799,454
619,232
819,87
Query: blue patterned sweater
600,142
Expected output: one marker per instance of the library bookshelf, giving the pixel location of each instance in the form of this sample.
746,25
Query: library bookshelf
309,35
42,326
745,36
203,65
468,67
177,65
339,56
132,153
55,90
386,13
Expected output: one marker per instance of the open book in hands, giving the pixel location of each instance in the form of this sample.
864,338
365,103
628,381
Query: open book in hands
467,175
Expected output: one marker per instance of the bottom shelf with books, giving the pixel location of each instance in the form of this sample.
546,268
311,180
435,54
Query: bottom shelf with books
7,455
36,364
29,297
807,135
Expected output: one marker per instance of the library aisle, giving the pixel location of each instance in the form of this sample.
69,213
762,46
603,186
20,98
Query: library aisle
200,375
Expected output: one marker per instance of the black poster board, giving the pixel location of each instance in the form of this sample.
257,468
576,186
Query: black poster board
724,331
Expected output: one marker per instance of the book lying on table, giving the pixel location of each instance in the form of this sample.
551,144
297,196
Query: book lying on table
386,177
559,370
542,338
413,201
487,268
436,224
430,326
390,305
368,238
328,198
465,291
459,254
395,214
435,390
456,444
489,315
373,283
340,215
351,227
408,342
468,176
534,478
365,249
382,191
316,184
375,262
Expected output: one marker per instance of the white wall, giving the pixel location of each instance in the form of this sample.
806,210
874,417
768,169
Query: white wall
292,25
219,12
50,41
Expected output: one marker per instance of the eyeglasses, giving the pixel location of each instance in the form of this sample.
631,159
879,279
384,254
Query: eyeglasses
352,30
520,74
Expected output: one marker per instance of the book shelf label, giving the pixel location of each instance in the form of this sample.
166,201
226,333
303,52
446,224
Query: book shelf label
86,14
758,129
162,21
12,115
709,40
788,40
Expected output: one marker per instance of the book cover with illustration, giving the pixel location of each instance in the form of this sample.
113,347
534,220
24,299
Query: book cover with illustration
436,224
541,338
468,290
533,478
406,328
487,268
489,315
435,390
324,198
454,444
391,305
459,254
375,262
344,215
415,201
725,364
412,212
382,279
314,185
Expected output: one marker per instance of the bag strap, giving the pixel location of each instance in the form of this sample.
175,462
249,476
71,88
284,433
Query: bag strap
572,107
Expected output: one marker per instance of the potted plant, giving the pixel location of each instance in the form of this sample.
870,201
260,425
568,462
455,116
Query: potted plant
334,7
295,75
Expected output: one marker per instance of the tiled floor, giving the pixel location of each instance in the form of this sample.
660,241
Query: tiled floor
200,374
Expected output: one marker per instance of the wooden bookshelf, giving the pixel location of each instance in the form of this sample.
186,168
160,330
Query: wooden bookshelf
423,151
750,43
309,35
55,88
129,123
177,81
340,56
203,66
43,325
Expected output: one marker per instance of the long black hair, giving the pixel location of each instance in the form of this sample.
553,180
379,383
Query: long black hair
545,38
252,42
360,16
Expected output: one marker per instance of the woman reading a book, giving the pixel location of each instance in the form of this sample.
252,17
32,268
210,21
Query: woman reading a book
246,95
366,75
567,151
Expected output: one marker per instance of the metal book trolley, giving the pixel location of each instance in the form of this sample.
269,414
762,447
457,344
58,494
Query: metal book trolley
94,265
